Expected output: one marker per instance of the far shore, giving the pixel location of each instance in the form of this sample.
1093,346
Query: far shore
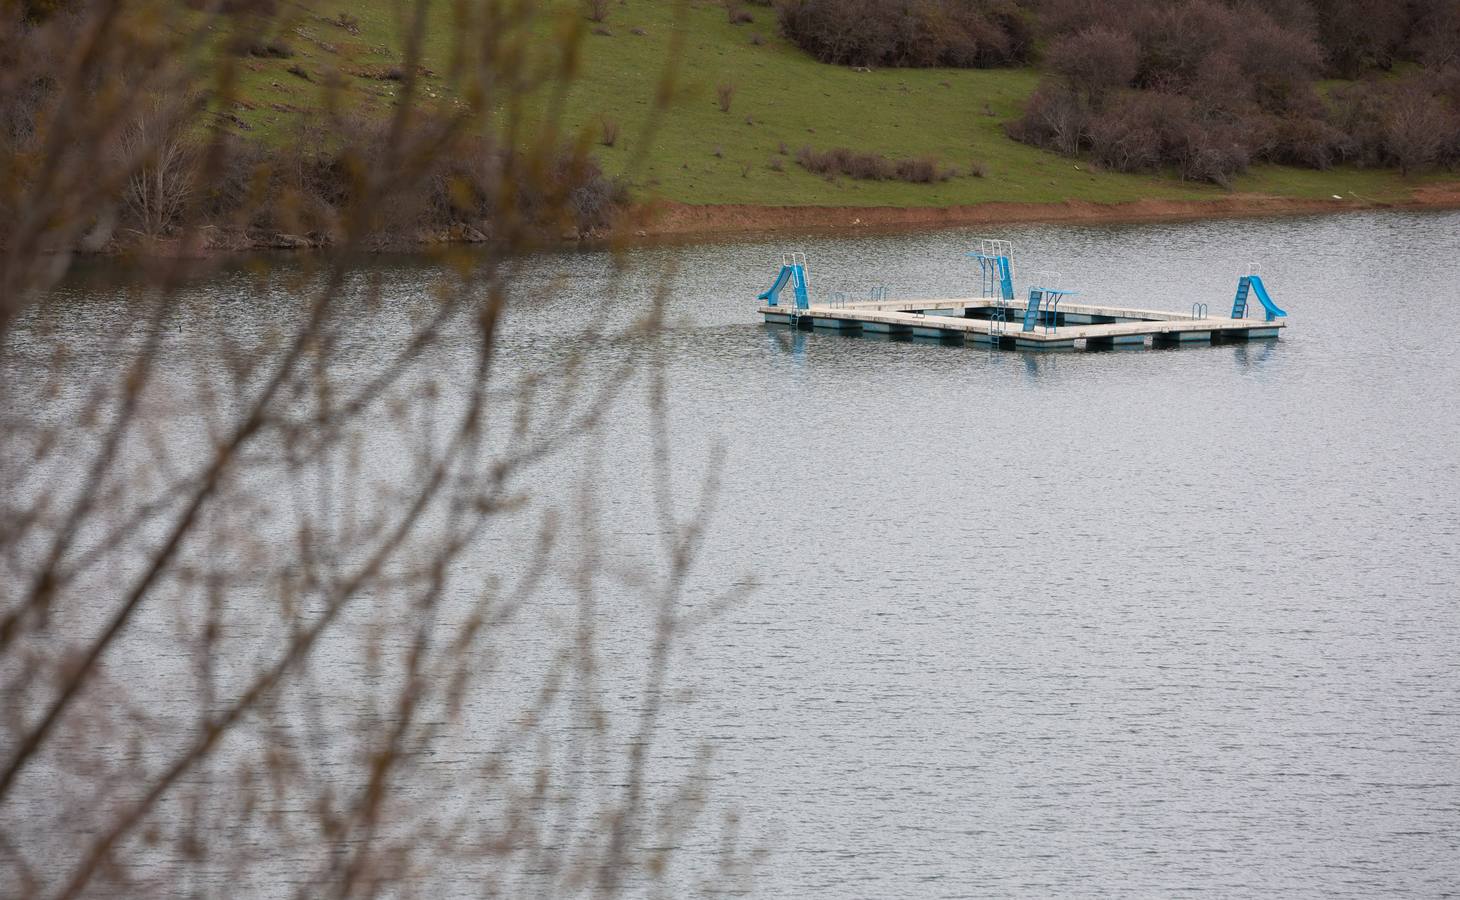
660,221
668,220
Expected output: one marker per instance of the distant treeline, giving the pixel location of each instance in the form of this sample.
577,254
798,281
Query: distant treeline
1201,87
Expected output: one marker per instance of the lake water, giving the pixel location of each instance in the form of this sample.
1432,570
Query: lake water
1158,623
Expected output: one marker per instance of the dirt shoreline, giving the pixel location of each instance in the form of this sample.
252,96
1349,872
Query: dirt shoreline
668,222
671,220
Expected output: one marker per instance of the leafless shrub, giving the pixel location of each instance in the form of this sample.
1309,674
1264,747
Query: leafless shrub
868,33
725,95
775,164
1095,61
1356,35
736,12
1416,129
756,39
1140,133
1305,141
269,48
922,170
840,161
1054,117
598,10
978,169
608,131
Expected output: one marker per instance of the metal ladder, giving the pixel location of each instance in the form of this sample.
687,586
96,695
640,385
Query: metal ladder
800,273
998,321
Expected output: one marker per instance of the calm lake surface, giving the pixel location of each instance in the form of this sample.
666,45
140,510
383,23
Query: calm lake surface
1157,623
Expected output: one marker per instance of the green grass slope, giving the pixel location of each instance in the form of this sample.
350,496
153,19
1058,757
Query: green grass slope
783,100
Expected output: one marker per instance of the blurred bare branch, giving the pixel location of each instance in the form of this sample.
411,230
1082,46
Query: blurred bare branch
283,576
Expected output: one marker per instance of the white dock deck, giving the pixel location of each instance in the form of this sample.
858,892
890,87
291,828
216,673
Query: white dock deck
968,319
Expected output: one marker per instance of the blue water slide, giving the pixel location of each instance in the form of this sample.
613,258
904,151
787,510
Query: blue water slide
1260,290
795,275
772,296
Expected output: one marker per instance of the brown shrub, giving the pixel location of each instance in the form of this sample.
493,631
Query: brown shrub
922,170
1417,129
1095,61
1305,141
1218,85
1435,34
1176,39
1410,124
307,187
1360,34
608,132
1150,130
1055,117
725,95
1359,111
962,33
1278,65
598,10
840,161
1139,132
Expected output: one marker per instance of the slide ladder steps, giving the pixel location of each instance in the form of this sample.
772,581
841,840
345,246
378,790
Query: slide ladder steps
1239,305
1031,312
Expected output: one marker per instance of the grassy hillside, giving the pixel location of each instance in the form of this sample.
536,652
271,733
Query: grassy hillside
782,100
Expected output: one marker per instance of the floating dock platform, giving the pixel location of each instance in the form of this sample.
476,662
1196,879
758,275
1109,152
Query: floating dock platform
1044,320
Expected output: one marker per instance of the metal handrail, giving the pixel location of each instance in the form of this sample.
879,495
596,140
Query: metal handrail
1051,308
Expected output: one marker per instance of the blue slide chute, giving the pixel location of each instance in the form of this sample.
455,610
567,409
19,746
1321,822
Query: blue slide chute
1253,284
794,274
1262,297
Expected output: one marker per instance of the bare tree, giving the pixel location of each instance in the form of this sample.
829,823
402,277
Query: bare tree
279,616
160,185
1416,127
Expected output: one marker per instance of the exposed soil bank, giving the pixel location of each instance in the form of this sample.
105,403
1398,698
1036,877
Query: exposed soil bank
665,221
678,219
